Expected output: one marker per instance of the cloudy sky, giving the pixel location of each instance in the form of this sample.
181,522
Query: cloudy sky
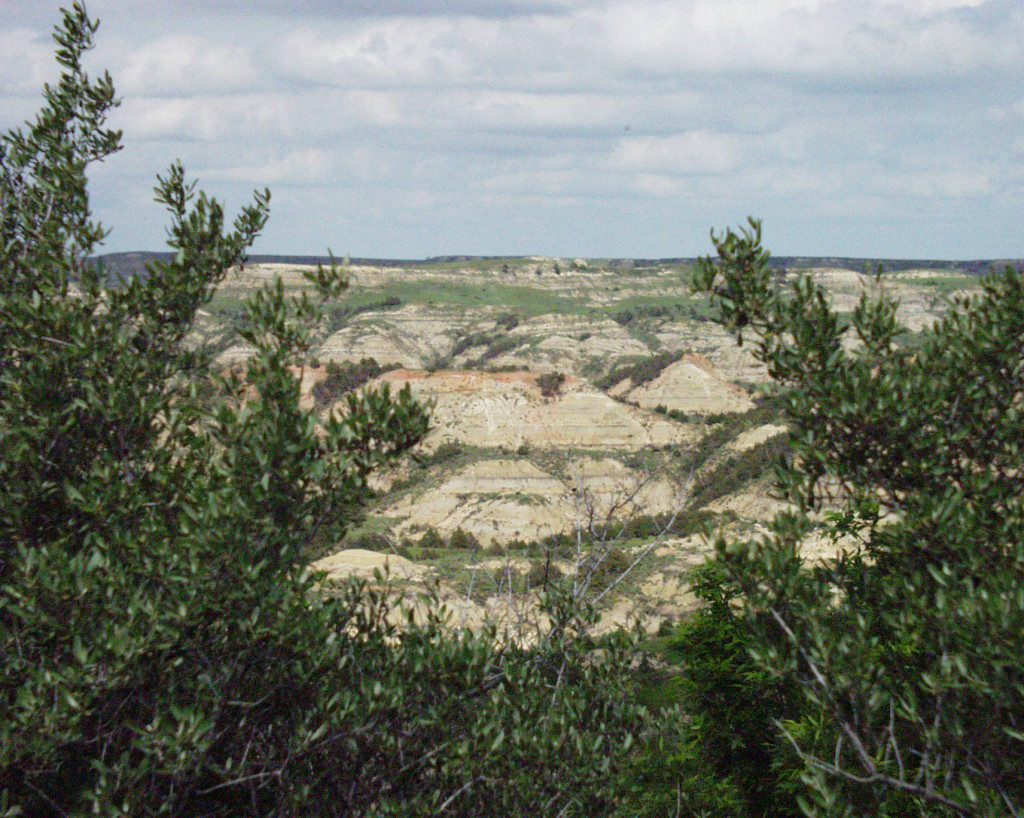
407,128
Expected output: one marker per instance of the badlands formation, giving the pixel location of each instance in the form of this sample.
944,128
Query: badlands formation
578,410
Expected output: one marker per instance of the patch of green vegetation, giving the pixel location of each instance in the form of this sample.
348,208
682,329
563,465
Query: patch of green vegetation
737,471
527,301
370,526
339,314
477,265
446,453
946,284
226,303
345,377
679,416
637,530
641,371
498,346
911,340
768,409
467,341
550,383
508,321
668,306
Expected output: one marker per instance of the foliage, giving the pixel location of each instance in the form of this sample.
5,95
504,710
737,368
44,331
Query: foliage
508,321
341,313
468,341
542,573
446,452
345,377
604,566
370,541
737,471
908,647
493,347
640,372
496,347
431,539
768,408
166,649
465,540
550,383
630,314
733,702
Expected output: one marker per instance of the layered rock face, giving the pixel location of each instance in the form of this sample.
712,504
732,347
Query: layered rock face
508,410
520,462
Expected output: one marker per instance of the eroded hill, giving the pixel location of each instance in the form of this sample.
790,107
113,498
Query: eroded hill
578,409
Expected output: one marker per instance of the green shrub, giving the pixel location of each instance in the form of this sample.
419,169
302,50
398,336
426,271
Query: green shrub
166,650
642,371
431,539
907,650
507,321
464,540
371,541
493,347
340,313
446,453
467,342
346,377
543,573
627,316
737,471
733,703
604,566
498,346
550,383
768,409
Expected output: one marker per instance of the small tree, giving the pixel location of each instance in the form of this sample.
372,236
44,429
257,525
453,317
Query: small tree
463,540
908,647
550,383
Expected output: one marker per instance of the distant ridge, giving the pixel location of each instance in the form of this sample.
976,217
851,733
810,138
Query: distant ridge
122,266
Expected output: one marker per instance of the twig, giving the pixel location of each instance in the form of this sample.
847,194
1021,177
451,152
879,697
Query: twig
451,798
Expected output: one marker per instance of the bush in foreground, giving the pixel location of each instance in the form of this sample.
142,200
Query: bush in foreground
166,650
908,649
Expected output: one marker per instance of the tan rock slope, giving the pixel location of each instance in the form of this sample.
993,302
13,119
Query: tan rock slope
496,500
690,385
508,410
410,336
362,564
505,499
529,465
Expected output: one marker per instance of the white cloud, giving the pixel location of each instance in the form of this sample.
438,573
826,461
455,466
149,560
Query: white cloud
652,184
868,38
204,118
184,64
405,52
501,115
693,152
26,62
296,167
938,183
555,181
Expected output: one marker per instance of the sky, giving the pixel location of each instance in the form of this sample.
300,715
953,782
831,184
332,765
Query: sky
621,128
